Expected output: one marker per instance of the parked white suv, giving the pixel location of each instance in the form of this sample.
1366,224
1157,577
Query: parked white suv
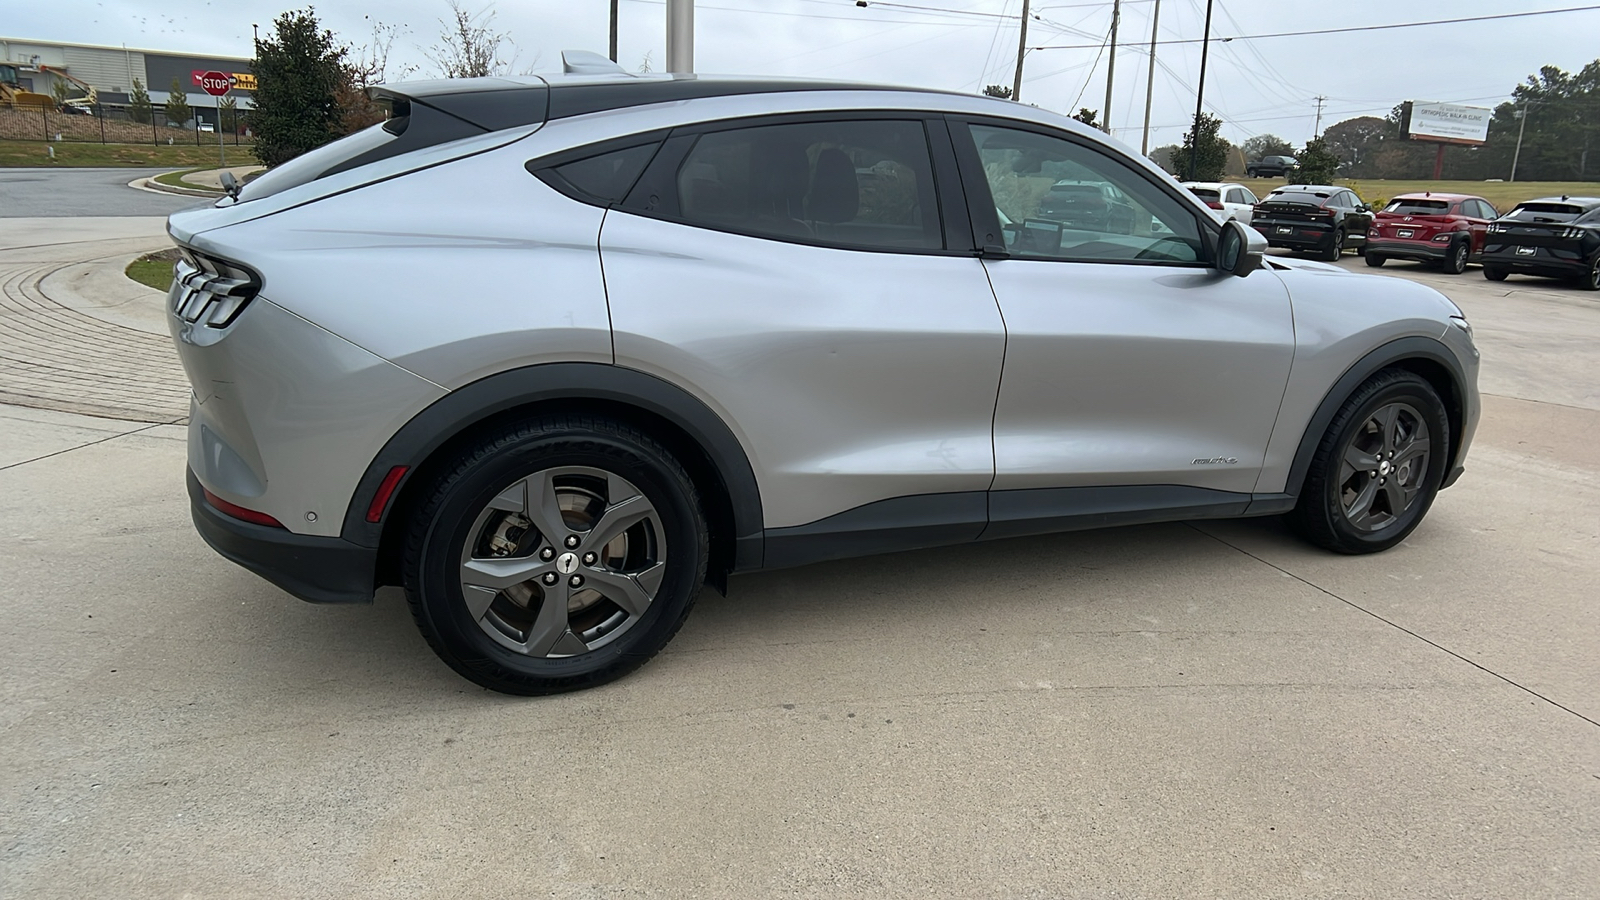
1229,200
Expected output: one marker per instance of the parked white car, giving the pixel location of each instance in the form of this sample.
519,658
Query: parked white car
1227,199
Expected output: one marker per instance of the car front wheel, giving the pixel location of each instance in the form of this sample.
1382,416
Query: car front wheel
555,554
1377,468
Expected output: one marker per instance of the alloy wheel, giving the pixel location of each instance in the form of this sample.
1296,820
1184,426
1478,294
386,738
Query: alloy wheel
563,562
1383,467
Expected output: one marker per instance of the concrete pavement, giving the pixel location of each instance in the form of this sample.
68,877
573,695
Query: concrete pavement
1179,711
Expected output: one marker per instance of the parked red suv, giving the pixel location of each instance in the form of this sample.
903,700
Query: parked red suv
1448,229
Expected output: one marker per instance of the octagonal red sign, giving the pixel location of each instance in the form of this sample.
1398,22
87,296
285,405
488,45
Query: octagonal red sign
215,83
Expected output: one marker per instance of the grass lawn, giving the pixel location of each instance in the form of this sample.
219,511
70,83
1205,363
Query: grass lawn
175,179
154,270
70,154
1503,195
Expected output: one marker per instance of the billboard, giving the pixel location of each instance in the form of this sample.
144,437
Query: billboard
1446,123
241,81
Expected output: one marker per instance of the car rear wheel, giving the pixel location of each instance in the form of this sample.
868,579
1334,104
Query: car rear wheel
557,554
1455,262
1495,274
1591,281
1375,260
1335,248
1376,471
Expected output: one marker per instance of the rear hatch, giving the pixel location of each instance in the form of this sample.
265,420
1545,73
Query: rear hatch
1292,212
1535,231
1413,220
1075,202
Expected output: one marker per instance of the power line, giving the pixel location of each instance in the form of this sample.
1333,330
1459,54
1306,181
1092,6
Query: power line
1280,34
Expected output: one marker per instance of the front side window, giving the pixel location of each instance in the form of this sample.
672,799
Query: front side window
866,184
1058,199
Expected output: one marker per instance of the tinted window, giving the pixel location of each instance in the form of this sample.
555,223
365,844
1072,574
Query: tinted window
1418,207
1249,196
1308,197
1236,195
1129,219
1545,212
1592,217
608,177
860,183
1487,210
1206,194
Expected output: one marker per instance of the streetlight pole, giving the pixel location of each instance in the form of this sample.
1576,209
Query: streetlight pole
1150,81
680,37
1522,116
1022,50
1199,97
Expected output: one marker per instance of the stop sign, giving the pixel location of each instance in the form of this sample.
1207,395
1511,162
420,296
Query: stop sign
215,83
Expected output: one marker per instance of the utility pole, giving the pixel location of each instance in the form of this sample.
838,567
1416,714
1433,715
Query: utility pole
1199,97
680,37
613,30
1522,115
1022,50
1316,130
1150,81
1111,65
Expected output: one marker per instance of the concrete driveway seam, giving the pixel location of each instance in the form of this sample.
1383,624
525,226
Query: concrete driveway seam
1393,624
109,437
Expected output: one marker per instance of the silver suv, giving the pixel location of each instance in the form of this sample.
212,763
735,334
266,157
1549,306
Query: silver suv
554,352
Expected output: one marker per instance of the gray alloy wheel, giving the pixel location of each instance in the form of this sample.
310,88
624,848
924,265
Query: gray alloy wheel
554,553
1383,466
563,562
1456,262
1377,468
1591,281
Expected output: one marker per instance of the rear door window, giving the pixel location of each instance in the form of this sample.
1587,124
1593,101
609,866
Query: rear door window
864,184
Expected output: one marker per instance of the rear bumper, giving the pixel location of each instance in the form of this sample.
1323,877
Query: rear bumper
315,569
1552,266
1300,234
1419,250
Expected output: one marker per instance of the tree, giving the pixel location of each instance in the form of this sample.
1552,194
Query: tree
1356,142
368,67
177,109
139,108
469,45
1266,145
1209,151
997,90
300,72
1087,116
1167,157
59,92
228,114
1318,164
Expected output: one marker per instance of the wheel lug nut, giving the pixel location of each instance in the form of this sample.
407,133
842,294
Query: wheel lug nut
550,578
575,581
572,541
589,558
547,554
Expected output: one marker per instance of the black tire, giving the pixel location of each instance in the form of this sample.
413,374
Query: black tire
1321,515
1591,281
1375,260
1495,274
1335,248
1455,259
467,489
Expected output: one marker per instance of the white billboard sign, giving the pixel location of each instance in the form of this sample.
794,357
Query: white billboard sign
1449,123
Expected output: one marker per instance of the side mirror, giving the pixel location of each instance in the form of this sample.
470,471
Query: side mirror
1239,249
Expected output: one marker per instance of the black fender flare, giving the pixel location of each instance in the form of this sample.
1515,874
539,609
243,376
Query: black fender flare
1396,351
474,403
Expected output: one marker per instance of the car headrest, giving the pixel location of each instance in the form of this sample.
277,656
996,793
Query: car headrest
835,194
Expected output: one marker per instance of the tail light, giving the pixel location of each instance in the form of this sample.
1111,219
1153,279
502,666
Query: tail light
239,512
1571,234
211,290
1497,228
1215,205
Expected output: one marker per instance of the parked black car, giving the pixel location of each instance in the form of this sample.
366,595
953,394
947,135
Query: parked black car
1272,167
1320,218
1557,237
1082,204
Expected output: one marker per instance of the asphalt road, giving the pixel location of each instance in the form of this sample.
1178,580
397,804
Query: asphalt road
1207,710
83,192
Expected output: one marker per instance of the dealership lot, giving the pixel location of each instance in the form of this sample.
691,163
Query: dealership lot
1209,710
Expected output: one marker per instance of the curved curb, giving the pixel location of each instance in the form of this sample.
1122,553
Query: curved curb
156,187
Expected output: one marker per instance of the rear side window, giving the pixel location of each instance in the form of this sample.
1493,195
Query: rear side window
858,183
605,178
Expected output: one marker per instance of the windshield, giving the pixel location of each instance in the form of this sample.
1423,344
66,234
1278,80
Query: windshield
1414,207
1545,212
1211,194
1305,197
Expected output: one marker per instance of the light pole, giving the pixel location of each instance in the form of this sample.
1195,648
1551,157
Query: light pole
1199,98
1022,50
1150,81
1522,116
680,37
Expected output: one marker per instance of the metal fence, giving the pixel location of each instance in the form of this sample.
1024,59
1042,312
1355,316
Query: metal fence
107,124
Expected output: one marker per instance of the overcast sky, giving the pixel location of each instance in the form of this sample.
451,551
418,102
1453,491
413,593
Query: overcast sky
1257,86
